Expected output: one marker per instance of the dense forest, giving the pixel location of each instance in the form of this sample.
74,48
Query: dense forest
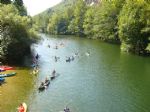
123,22
126,22
16,32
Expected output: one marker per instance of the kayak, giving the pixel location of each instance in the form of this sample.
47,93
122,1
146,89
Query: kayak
44,86
22,107
53,77
2,70
25,107
7,75
2,79
6,68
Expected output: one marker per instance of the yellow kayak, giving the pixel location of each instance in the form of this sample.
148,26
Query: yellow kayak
25,107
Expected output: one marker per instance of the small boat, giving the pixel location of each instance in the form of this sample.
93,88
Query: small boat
41,88
47,83
52,77
66,109
6,68
7,75
44,85
22,107
2,70
2,79
35,72
68,60
25,107
87,54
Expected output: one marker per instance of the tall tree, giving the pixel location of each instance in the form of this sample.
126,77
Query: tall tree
5,1
14,34
76,25
18,2
20,6
88,21
134,26
105,20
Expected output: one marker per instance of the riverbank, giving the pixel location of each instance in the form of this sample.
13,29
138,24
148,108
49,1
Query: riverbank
16,89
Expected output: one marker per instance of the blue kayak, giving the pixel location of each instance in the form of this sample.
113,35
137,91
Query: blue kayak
2,79
7,75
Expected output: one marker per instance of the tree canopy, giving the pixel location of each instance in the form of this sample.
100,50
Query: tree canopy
15,33
117,21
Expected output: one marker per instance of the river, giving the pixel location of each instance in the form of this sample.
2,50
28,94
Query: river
107,80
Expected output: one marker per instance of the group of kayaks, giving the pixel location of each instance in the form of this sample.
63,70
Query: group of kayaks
3,75
44,85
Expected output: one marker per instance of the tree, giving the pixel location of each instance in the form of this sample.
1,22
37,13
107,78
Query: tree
5,1
76,24
105,20
134,26
15,35
88,22
18,2
20,6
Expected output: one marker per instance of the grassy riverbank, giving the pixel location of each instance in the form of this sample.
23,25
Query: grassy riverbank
16,89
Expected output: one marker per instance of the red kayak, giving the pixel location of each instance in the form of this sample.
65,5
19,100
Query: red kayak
6,68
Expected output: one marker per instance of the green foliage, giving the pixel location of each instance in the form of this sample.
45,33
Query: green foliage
53,24
105,20
134,26
116,21
18,2
88,22
15,32
42,20
20,6
5,1
76,24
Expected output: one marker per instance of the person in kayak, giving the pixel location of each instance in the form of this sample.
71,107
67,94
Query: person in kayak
21,108
55,59
66,109
37,56
46,80
54,72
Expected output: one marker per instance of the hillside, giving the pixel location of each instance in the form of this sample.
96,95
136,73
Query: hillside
42,19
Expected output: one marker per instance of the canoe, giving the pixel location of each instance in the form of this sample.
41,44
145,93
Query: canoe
34,72
6,68
53,77
66,109
7,75
2,79
47,83
2,70
42,87
25,107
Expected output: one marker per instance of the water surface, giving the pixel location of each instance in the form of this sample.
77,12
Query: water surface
106,81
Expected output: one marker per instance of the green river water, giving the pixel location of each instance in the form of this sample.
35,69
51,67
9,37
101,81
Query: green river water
106,81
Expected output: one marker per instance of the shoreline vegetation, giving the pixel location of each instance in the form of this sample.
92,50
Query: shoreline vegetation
16,32
124,22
